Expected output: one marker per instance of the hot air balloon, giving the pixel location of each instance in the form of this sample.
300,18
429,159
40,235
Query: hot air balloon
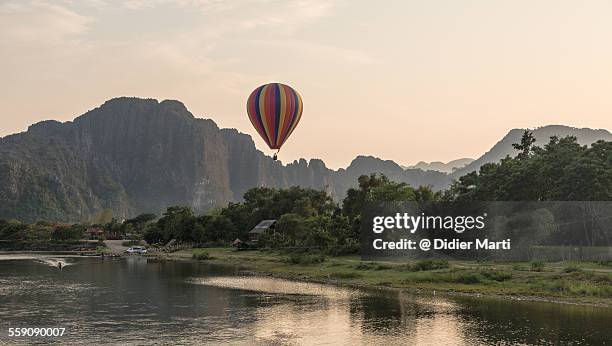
275,110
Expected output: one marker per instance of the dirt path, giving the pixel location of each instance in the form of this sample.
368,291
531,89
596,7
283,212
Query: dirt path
115,246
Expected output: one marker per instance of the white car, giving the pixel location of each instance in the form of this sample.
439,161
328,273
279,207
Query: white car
137,249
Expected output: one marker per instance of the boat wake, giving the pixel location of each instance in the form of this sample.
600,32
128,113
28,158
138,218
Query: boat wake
54,262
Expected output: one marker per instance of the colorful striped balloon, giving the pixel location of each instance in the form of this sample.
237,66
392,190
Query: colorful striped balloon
274,110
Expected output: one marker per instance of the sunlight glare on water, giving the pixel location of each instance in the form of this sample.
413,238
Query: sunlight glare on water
277,286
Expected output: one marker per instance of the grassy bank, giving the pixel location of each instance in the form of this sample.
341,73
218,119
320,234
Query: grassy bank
583,282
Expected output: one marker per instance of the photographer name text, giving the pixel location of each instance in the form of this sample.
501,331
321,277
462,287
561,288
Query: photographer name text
441,244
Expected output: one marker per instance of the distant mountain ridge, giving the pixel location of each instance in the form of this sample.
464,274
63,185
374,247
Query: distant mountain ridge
133,155
440,166
584,136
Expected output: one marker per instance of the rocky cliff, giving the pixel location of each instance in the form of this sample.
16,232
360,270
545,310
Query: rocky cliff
135,155
139,155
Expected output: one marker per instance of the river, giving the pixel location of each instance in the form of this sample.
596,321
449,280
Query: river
139,301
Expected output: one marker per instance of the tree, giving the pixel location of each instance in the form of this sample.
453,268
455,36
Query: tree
242,218
221,228
66,233
426,194
289,226
372,188
303,233
137,223
177,223
13,230
391,192
589,177
525,146
153,234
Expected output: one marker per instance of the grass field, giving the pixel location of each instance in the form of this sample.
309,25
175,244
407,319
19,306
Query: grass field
579,282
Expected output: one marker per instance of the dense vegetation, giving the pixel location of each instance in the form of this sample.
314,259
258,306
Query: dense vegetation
14,230
306,218
562,170
309,218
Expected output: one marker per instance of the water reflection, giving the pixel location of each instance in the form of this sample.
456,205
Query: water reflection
375,317
277,286
536,323
140,301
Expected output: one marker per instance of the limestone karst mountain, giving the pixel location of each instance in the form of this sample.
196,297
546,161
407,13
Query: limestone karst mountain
135,155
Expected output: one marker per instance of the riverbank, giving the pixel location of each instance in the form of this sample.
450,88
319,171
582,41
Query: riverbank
50,246
577,283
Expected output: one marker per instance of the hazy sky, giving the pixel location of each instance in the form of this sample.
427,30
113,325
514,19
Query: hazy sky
401,80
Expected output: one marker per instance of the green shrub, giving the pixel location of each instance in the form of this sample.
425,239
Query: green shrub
362,266
382,267
102,250
589,276
571,268
430,264
469,278
201,255
405,267
496,275
346,275
366,265
537,266
351,248
305,259
582,289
